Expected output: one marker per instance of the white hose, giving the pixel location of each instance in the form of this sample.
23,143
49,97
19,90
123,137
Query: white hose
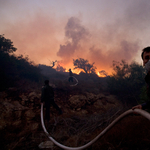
138,111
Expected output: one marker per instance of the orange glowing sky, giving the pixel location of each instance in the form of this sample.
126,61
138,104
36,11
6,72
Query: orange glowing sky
97,30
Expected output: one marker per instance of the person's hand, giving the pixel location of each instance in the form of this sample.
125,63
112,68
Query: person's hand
137,107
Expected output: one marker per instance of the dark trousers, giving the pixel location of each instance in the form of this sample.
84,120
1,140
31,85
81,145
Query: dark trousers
47,105
70,79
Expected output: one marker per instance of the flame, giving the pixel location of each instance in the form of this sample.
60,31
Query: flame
77,71
100,75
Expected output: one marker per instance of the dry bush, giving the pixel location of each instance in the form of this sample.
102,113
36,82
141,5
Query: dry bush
77,130
132,132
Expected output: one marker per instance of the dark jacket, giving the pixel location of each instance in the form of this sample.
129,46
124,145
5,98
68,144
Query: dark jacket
70,73
147,80
47,93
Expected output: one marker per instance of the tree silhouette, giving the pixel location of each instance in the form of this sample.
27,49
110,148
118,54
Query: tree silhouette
84,65
103,73
127,81
60,68
121,69
6,45
14,69
53,63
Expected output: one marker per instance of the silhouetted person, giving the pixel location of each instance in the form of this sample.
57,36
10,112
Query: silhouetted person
146,62
70,76
47,96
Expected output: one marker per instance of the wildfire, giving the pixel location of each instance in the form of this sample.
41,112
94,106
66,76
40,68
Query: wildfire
98,74
101,73
76,71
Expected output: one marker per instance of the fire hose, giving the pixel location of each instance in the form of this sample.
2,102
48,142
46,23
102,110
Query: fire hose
130,111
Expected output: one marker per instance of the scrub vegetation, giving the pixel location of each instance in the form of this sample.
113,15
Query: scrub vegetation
77,126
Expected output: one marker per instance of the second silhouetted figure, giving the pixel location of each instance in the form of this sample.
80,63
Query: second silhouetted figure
47,96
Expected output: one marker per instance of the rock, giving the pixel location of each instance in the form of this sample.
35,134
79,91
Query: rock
32,96
98,104
8,105
91,98
106,102
15,105
10,111
29,114
84,111
112,99
3,95
23,103
46,144
16,123
23,97
99,96
17,115
78,109
77,101
34,126
18,106
2,124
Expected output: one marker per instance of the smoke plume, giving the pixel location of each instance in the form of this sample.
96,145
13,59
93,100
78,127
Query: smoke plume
74,34
44,35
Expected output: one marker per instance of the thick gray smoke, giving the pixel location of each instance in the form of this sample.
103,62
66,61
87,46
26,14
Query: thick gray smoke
74,33
118,31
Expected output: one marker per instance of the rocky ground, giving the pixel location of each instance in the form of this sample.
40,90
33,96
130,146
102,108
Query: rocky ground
84,116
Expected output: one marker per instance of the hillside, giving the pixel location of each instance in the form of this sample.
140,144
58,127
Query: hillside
85,115
88,108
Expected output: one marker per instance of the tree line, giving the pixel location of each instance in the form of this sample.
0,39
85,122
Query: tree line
126,81
15,68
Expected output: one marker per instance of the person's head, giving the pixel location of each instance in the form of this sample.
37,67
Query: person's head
46,82
69,69
145,55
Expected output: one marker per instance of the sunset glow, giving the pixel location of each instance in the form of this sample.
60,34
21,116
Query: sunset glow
97,31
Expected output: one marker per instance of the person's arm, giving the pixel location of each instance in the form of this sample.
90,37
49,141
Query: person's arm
142,106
